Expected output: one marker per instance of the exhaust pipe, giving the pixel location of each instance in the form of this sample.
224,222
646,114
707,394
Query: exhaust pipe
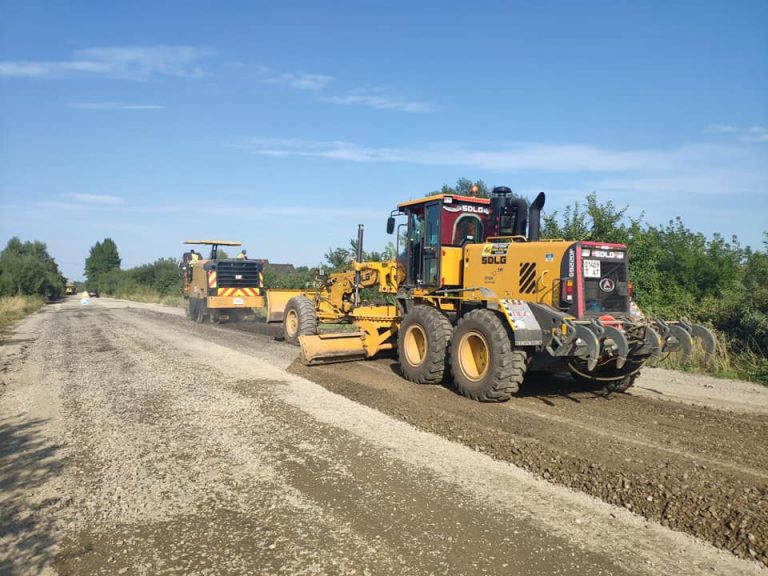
502,205
358,258
534,218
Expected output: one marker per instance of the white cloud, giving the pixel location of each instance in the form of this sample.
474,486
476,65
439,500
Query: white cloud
744,134
657,175
123,62
296,80
114,106
376,98
379,100
101,199
515,156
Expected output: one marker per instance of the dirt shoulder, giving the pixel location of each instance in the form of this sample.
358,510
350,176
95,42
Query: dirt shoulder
702,390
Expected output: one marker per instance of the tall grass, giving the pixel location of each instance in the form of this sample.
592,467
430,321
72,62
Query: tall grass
13,308
725,363
148,295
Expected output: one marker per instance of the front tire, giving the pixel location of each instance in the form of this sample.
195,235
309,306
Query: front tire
485,365
299,319
422,345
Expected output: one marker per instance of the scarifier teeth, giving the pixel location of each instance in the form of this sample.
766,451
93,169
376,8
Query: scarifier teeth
653,343
681,340
707,338
679,335
588,336
619,340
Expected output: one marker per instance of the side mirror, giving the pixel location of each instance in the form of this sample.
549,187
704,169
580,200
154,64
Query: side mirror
390,224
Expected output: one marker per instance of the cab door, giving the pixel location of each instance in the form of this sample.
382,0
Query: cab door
423,246
430,269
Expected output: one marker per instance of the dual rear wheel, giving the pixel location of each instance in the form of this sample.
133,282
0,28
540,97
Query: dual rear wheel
478,352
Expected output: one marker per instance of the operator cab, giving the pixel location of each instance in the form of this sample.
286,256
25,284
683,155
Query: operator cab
438,227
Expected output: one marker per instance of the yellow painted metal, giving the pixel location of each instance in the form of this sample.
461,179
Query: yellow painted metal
415,344
497,266
451,266
232,302
377,327
291,321
277,300
332,347
473,356
426,199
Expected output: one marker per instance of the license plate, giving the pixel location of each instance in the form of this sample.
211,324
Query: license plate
591,268
238,300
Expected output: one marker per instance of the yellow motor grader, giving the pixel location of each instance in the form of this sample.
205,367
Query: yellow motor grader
217,289
477,295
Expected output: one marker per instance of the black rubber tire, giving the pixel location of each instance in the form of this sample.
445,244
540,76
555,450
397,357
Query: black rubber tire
620,385
422,345
299,319
237,315
484,364
201,309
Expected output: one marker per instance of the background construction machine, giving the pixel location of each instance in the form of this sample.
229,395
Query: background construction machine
478,295
220,289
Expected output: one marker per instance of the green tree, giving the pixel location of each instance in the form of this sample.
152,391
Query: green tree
300,277
103,258
463,187
596,221
338,259
26,268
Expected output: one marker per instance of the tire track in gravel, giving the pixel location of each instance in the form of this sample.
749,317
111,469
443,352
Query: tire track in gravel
677,485
703,448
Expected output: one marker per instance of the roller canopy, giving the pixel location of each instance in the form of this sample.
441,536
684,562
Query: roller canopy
217,242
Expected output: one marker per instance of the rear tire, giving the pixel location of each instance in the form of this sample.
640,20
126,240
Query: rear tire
485,365
422,345
299,319
201,311
620,385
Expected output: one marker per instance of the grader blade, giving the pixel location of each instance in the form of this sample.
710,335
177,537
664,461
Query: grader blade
332,347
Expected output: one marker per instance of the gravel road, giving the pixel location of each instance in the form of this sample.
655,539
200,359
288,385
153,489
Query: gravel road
135,442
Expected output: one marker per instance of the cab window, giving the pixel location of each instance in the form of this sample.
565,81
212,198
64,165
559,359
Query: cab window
465,226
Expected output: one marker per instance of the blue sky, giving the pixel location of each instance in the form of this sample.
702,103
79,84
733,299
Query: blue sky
285,124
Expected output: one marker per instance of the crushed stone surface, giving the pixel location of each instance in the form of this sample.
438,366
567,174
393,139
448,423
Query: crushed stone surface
135,442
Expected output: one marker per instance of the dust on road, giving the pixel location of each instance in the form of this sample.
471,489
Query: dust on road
134,442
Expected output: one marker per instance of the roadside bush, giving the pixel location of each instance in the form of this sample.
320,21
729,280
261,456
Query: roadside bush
677,273
160,279
26,268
